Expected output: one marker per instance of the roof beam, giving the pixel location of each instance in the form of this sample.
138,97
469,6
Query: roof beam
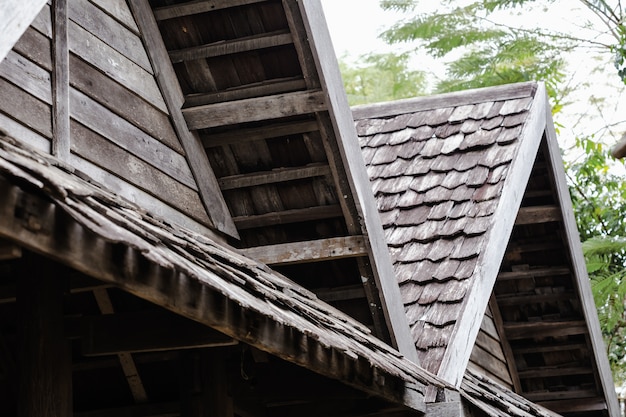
254,109
550,372
288,216
309,251
198,6
274,130
560,395
114,334
575,405
15,17
536,298
538,214
274,176
265,88
350,292
235,46
534,273
544,328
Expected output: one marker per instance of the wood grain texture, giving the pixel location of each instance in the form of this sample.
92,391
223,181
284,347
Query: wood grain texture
61,82
197,6
15,17
119,10
21,106
278,175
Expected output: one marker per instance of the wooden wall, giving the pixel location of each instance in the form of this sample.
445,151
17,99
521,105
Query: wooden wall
120,131
488,357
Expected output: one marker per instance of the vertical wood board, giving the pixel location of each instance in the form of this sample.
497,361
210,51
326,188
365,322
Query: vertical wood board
61,83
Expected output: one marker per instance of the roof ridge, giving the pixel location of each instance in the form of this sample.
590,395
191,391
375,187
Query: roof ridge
454,99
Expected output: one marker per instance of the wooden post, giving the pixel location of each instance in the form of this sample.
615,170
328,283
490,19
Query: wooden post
45,377
204,385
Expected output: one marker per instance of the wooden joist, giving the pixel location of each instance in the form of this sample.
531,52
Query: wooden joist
350,292
198,6
561,395
534,273
160,330
274,176
555,371
235,46
309,251
560,347
536,298
265,88
538,214
575,405
254,109
274,130
544,329
288,216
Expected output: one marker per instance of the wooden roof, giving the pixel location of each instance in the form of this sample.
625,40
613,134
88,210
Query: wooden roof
215,286
457,178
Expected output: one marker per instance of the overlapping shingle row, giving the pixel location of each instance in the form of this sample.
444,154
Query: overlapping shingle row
437,174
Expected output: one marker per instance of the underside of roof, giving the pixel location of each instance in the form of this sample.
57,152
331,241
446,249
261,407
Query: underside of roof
459,178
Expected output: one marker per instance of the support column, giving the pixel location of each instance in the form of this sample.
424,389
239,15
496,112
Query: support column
45,373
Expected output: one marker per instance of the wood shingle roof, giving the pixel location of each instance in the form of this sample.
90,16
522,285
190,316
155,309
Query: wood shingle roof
438,175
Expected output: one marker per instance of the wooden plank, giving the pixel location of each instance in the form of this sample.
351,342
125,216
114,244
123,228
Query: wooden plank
43,21
560,395
265,88
504,342
138,196
119,10
542,329
127,363
579,267
123,102
110,31
447,409
24,134
534,273
44,353
125,135
61,83
340,130
576,405
21,106
557,347
351,292
235,46
254,109
309,251
36,47
115,65
28,76
477,299
288,216
208,187
487,361
15,17
538,214
136,172
274,176
111,334
259,133
548,372
536,298
198,6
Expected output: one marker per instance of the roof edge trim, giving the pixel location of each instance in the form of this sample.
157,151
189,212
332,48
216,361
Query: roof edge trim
458,98
459,349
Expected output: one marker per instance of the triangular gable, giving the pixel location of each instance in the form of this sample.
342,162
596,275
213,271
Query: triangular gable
450,173
108,111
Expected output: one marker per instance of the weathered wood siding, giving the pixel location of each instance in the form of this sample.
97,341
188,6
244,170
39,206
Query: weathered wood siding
119,123
488,357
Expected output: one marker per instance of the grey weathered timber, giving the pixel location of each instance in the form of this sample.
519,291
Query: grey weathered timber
15,17
580,269
352,159
447,409
111,334
21,106
538,214
456,356
251,43
36,47
61,83
581,405
27,75
198,6
110,31
254,109
13,128
530,273
276,175
259,133
288,216
266,88
115,65
509,357
119,10
312,250
44,354
204,176
553,328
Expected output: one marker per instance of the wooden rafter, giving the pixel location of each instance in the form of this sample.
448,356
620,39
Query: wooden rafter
259,133
274,176
309,251
288,216
538,214
198,6
544,329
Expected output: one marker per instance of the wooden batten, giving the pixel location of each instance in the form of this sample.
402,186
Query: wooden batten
288,216
196,7
254,109
274,176
15,17
538,214
309,251
545,329
259,133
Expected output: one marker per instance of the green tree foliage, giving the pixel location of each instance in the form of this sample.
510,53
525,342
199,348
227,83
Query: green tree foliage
381,77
